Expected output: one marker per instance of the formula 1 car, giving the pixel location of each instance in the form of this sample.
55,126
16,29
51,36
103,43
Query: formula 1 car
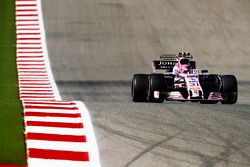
183,82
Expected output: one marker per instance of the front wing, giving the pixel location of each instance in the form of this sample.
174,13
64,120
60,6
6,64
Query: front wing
176,95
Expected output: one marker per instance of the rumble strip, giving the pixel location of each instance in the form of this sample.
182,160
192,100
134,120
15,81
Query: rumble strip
57,132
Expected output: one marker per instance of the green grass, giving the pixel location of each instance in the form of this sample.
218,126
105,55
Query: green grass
12,147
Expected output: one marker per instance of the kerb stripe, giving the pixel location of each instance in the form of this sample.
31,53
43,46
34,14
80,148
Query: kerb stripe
62,155
44,114
55,137
54,124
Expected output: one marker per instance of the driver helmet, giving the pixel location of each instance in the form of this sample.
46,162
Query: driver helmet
184,65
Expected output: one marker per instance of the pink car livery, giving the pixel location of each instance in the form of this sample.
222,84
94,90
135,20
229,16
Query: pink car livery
182,81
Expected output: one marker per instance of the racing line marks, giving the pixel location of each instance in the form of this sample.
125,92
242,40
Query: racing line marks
57,132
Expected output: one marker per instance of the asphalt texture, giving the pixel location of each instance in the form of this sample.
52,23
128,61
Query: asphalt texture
95,46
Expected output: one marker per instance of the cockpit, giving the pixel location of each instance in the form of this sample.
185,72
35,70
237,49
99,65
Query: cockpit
184,62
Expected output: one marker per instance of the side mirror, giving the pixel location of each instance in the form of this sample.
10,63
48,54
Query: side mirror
204,71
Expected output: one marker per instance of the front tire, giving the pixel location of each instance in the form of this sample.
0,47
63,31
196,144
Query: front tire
210,83
229,89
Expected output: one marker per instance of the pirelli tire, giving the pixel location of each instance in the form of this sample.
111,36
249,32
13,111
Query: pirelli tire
212,84
229,89
139,87
156,83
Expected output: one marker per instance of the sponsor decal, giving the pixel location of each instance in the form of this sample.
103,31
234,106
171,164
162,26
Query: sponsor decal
156,94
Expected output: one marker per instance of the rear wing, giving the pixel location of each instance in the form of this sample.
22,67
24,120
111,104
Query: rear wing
168,61
171,57
167,65
174,56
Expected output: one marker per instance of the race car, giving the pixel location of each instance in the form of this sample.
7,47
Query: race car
182,81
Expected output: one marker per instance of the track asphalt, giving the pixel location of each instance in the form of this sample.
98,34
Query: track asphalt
95,46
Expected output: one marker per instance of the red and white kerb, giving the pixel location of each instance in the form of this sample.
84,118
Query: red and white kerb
58,133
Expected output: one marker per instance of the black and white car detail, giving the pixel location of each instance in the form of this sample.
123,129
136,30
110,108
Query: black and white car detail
183,82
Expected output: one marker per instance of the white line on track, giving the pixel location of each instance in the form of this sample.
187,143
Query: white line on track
25,8
27,22
57,145
54,130
58,163
53,119
52,111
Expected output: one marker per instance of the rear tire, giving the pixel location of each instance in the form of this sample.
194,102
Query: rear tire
156,83
139,87
229,89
